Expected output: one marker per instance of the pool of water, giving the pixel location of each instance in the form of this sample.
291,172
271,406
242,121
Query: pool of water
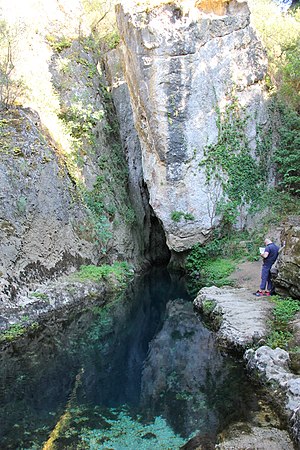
141,372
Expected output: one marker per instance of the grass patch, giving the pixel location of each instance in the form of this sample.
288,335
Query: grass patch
216,272
120,271
210,272
280,334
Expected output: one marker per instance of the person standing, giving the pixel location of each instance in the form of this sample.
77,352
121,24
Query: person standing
269,257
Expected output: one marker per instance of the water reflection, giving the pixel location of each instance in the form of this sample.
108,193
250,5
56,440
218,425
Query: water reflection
188,380
96,368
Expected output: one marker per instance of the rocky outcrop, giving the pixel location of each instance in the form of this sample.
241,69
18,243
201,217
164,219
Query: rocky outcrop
240,319
180,67
288,279
272,367
67,195
40,212
46,227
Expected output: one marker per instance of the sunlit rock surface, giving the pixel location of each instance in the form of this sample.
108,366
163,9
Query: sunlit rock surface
180,66
240,317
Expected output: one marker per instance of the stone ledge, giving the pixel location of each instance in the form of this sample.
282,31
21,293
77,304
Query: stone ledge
240,318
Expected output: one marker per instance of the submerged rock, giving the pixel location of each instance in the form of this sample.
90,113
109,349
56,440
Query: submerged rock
240,318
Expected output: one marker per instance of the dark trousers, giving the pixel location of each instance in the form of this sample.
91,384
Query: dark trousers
266,278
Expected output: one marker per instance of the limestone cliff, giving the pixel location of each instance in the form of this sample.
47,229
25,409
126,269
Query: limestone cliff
66,195
181,66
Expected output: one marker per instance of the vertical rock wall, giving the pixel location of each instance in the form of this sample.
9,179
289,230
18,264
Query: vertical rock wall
152,242
180,66
288,280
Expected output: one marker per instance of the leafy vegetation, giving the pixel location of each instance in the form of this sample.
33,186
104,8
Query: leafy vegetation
59,43
176,216
287,155
284,311
229,162
211,264
281,36
81,120
17,330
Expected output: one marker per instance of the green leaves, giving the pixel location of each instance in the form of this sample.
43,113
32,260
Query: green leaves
283,313
176,216
287,155
230,160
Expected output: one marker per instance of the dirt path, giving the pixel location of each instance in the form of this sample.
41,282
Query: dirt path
247,275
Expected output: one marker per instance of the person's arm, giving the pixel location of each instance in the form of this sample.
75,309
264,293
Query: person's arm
265,254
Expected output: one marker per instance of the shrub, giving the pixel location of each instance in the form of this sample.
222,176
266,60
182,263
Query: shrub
176,216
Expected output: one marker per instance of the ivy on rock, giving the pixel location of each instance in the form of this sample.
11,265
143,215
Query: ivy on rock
230,163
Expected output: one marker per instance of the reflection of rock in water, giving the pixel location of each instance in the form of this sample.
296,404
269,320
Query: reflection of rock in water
185,378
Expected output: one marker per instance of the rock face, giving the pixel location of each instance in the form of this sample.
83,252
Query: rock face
288,279
152,238
46,230
40,217
273,369
240,317
180,67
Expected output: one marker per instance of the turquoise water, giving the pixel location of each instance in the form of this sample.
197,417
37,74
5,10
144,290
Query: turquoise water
139,373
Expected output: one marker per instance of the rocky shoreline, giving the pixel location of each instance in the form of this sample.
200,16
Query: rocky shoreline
241,324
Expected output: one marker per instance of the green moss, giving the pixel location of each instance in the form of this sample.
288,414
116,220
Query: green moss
17,330
39,295
208,306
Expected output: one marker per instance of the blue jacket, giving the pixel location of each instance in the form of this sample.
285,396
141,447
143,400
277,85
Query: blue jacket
272,249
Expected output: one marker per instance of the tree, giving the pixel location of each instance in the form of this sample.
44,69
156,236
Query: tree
11,87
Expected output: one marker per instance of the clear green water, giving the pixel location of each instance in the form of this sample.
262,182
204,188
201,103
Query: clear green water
139,373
